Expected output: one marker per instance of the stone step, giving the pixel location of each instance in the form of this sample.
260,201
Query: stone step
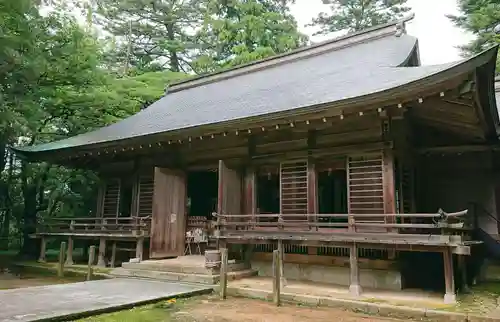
186,269
180,277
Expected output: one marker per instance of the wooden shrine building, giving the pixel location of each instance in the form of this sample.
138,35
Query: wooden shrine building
342,153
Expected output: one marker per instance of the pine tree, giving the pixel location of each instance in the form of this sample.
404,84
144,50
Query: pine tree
240,31
481,18
151,34
356,15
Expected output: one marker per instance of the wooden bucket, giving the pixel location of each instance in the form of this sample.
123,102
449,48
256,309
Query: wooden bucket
212,259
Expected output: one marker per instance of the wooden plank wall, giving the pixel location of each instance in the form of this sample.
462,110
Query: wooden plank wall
168,224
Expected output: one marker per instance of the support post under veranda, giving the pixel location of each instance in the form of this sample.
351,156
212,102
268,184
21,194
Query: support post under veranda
450,296
223,273
354,285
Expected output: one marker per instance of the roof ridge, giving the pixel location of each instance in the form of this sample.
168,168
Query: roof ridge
297,54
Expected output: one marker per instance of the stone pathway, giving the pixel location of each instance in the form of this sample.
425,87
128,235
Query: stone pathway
69,300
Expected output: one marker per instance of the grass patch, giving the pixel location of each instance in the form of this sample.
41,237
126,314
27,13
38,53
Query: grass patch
162,311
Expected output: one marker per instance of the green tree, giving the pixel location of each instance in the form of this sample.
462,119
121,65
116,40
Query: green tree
356,15
240,31
150,34
479,17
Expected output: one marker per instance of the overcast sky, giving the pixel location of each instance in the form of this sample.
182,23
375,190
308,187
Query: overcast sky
437,36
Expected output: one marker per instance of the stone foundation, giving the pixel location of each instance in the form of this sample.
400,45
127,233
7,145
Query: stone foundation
369,278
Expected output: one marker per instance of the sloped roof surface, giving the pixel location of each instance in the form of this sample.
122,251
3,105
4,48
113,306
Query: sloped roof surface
330,76
334,75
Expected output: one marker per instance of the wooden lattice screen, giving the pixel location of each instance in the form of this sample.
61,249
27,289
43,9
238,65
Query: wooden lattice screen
145,195
294,191
293,181
366,188
111,200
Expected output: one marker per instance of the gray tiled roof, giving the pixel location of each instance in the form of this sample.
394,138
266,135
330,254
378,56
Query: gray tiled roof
334,75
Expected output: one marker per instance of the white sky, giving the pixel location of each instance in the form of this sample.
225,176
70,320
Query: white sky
437,36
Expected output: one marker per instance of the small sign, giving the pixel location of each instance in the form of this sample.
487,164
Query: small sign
173,218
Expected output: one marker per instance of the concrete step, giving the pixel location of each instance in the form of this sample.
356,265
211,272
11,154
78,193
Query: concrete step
180,277
176,268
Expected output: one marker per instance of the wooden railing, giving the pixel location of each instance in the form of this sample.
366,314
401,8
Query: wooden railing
134,226
322,223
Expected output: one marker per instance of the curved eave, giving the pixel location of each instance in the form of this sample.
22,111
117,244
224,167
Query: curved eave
483,63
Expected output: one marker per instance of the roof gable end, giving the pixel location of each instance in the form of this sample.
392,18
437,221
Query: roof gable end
396,28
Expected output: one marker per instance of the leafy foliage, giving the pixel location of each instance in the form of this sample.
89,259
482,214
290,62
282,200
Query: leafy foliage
240,31
356,15
481,18
59,79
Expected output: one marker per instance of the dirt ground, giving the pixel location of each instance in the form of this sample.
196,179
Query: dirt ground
246,310
209,308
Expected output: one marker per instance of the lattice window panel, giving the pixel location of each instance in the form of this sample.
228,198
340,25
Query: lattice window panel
111,200
293,188
366,188
145,195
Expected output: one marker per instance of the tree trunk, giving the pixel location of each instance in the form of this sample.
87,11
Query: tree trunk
174,57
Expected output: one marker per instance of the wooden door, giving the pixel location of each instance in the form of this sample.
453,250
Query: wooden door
230,191
168,224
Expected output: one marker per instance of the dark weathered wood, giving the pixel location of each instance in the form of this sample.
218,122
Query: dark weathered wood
90,262
462,266
223,273
230,187
168,227
277,277
60,265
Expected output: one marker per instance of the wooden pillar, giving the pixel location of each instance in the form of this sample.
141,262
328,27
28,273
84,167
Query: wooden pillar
354,286
223,273
276,277
139,248
69,254
60,265
388,180
462,266
281,251
113,255
43,247
90,262
250,206
101,261
449,296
